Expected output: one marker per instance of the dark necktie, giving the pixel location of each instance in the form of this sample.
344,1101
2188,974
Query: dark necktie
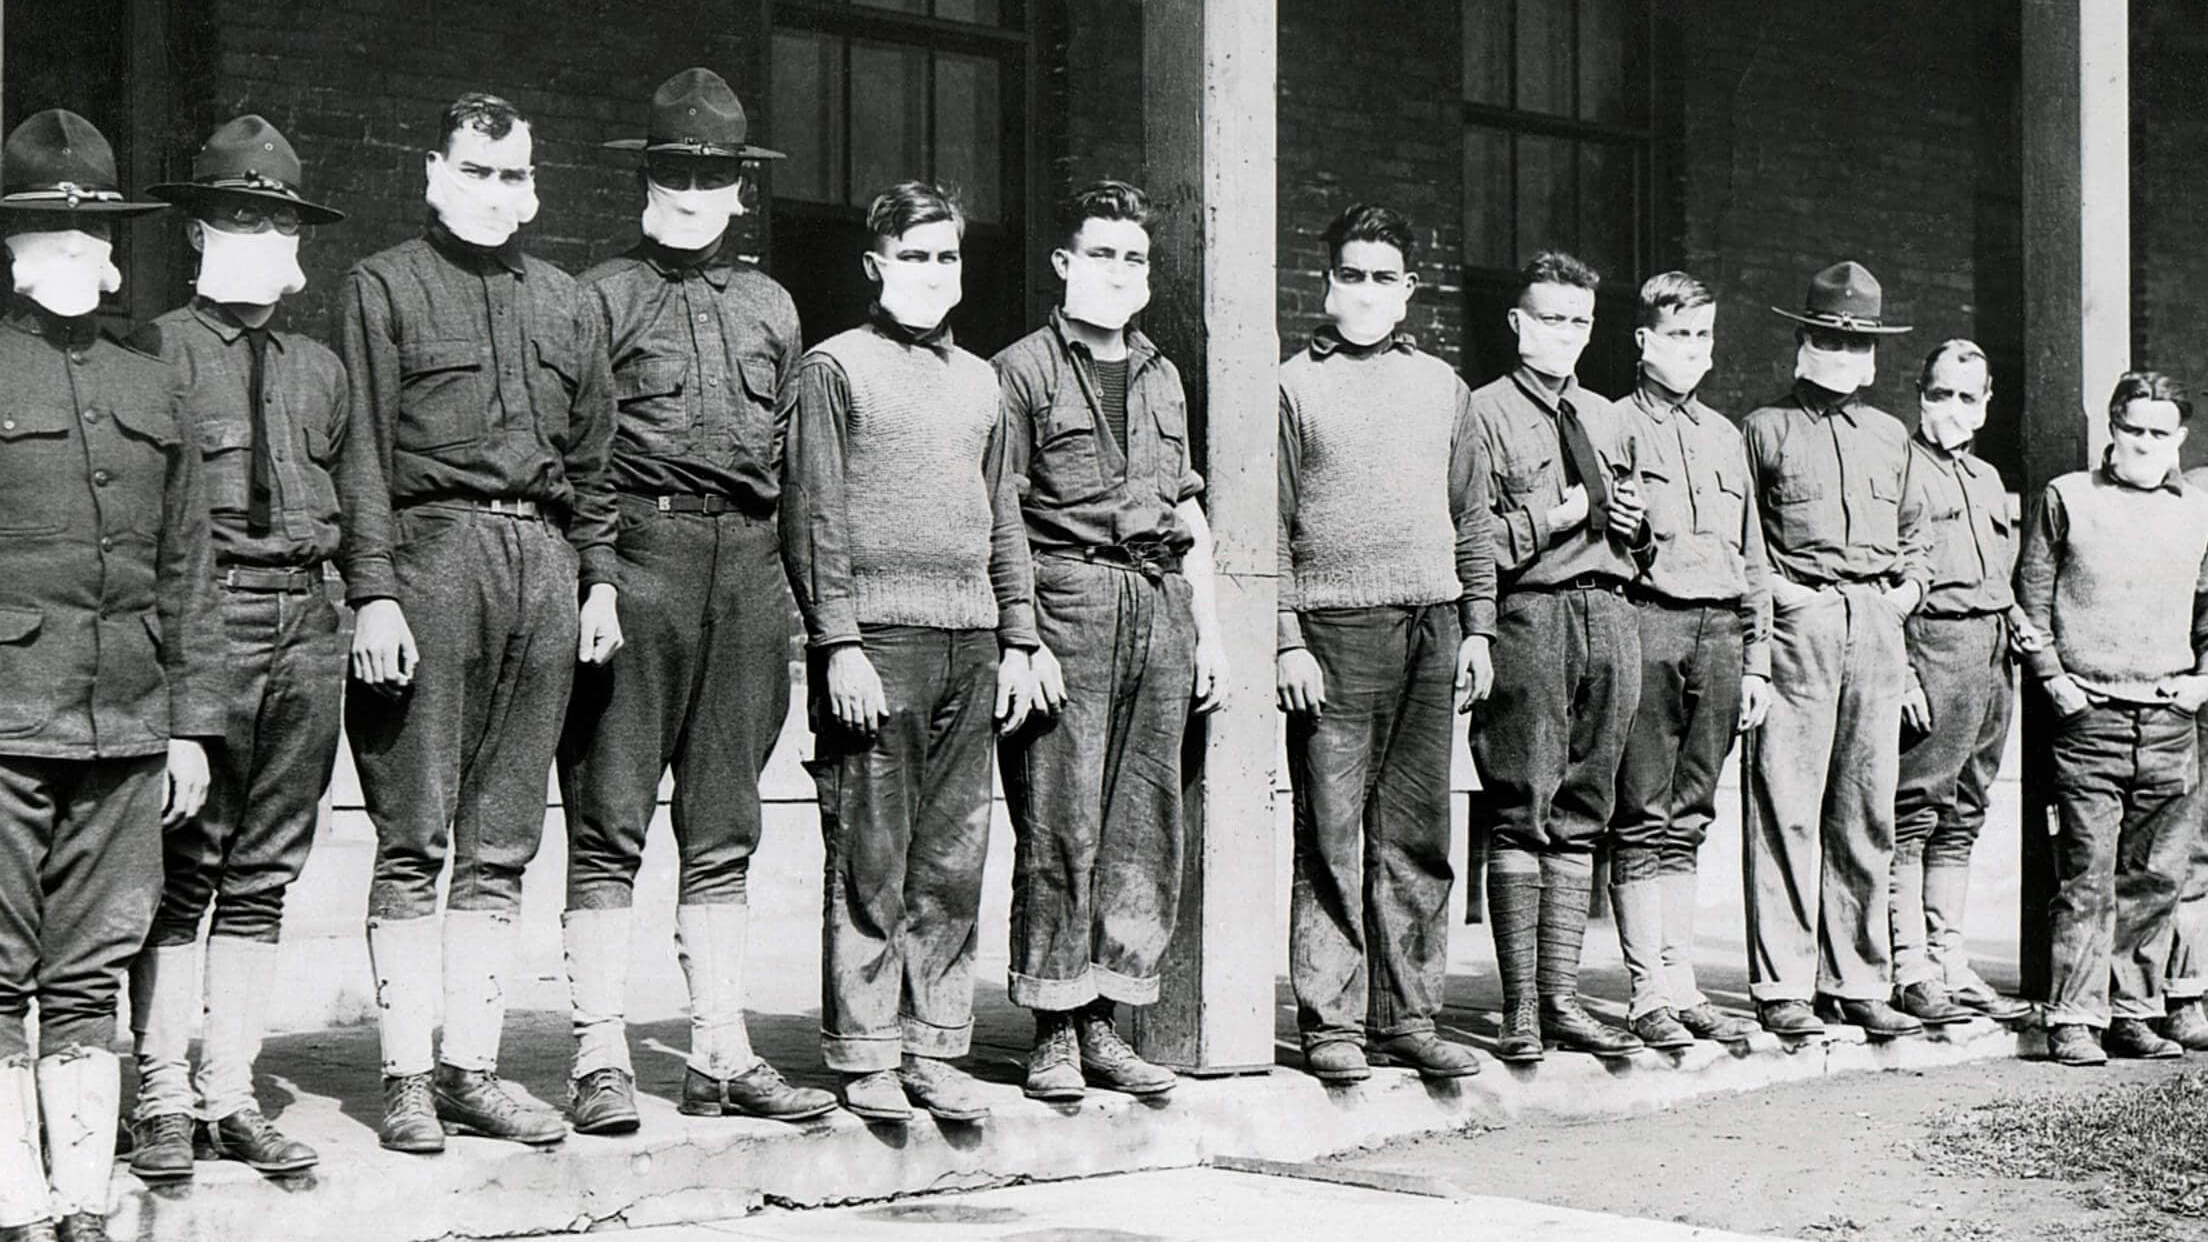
261,492
1581,465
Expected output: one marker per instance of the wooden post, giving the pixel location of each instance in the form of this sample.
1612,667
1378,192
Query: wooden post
2077,320
1208,93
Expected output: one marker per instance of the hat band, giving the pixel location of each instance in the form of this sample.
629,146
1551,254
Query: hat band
250,181
65,191
1844,319
694,146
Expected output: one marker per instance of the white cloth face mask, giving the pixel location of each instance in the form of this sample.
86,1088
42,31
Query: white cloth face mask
1835,370
480,212
1366,314
689,219
65,270
1094,298
1950,423
1680,366
913,293
249,269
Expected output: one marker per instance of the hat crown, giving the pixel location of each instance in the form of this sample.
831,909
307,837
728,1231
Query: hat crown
247,152
696,109
1846,291
55,149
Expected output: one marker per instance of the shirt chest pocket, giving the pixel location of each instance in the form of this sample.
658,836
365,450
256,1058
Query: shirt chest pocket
442,402
1068,463
655,417
132,449
1728,498
1170,462
754,407
1526,481
1796,504
555,377
36,457
226,457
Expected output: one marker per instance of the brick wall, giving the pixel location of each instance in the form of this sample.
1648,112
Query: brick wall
2169,199
1369,112
358,86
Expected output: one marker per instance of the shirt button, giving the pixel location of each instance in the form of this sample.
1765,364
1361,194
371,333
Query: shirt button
107,543
7,424
715,382
76,355
701,316
102,478
92,415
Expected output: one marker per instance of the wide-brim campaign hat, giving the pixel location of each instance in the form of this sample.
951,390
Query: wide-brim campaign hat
247,157
1845,298
695,113
57,162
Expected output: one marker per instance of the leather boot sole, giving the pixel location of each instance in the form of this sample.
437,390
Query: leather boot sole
278,1166
415,1147
162,1175
1057,1095
1102,1079
1439,1073
468,1128
623,1125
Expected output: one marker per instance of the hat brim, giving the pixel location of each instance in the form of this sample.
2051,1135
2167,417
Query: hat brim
743,152
1847,327
84,207
186,193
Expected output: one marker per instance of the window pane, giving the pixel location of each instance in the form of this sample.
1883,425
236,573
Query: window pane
1606,212
982,11
968,133
1487,52
1609,33
888,118
808,116
1546,218
901,6
1488,218
1544,39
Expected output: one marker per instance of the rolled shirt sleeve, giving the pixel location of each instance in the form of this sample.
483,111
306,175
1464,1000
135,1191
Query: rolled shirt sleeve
1470,506
815,524
2036,567
1011,568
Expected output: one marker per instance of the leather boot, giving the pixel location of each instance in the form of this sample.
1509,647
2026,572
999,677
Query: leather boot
478,1102
22,1165
1661,1028
1878,1019
409,1121
1567,884
1930,1004
1337,1062
404,956
595,944
1054,1063
760,1091
2187,1026
946,1091
1707,1021
79,1091
82,1227
1946,906
877,1097
1514,913
164,999
36,1231
1566,1024
2134,1039
2071,1044
241,976
1108,1061
1434,1058
254,1140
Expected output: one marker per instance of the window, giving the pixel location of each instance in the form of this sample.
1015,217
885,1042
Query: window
870,92
1557,151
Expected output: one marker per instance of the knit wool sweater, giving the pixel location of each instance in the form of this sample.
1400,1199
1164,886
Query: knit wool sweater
2123,599
918,502
1372,525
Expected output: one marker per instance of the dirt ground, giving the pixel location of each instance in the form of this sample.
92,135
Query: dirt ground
1839,1160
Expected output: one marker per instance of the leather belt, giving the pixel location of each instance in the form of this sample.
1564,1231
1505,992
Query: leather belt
1584,582
708,505
1152,561
270,581
504,507
1644,595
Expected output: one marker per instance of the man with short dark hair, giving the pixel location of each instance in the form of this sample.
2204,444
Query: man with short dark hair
704,350
1387,607
1568,519
901,534
269,411
1704,605
1844,534
484,418
109,692
1955,710
2115,571
1129,640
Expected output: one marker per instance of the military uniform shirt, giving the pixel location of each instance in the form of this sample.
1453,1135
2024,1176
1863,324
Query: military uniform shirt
1706,540
1517,418
1829,475
1972,541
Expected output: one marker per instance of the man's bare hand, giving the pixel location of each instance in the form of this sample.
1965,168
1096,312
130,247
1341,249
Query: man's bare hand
855,691
2185,693
2067,696
1299,684
1916,711
1755,701
1015,690
1210,691
383,646
1571,512
1050,681
1475,672
187,781
600,632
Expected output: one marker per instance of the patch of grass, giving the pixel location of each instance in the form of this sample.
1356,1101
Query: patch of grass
2144,1146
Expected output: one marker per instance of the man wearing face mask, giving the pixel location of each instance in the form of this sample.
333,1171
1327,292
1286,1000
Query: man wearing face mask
1130,644
478,474
1955,711
2115,571
1387,607
1704,607
109,647
268,410
902,537
704,350
1567,524
1845,537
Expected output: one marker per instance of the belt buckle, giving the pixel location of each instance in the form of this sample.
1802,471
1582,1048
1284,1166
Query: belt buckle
230,577
665,504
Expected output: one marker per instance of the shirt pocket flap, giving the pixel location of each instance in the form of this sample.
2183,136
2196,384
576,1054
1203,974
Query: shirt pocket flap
35,421
1650,470
1732,482
1794,489
1524,476
221,437
153,423
1885,487
761,378
20,624
651,377
557,357
424,357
